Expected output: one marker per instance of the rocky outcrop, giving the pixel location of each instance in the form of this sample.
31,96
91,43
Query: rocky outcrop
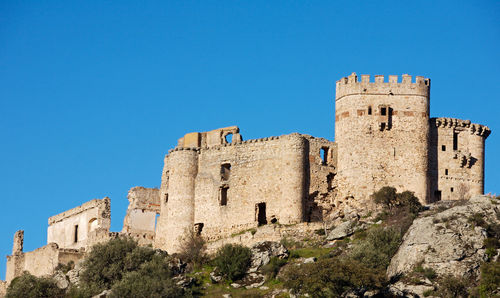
343,230
262,252
450,242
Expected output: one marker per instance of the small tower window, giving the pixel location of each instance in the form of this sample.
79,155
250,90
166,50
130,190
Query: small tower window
443,148
446,171
76,234
260,210
383,111
223,195
455,141
369,110
451,189
166,198
198,228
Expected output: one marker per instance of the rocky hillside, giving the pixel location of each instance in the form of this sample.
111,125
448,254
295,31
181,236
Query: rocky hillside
449,249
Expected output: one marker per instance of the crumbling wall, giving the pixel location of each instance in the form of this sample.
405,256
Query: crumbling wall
322,182
71,228
223,189
42,261
3,288
456,158
143,208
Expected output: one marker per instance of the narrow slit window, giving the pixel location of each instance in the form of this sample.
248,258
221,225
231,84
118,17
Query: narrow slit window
223,195
455,141
166,198
443,148
451,189
446,171
76,234
369,110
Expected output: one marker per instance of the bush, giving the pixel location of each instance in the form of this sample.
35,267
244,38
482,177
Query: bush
332,277
450,286
232,261
490,279
28,285
273,267
65,267
153,279
377,248
390,199
108,262
193,250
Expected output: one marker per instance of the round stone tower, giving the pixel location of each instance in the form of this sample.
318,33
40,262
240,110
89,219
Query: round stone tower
382,134
177,198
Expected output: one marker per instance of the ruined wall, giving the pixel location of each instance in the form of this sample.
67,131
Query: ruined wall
226,188
140,220
71,228
42,261
382,134
321,181
456,158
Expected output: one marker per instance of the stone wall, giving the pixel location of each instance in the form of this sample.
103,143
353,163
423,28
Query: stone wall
225,188
382,133
71,228
40,262
142,211
456,158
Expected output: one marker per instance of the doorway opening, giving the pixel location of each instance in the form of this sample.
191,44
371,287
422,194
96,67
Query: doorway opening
261,213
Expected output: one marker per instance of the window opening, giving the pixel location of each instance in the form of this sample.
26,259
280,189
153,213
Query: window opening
329,180
157,215
382,126
455,141
383,111
76,234
437,195
443,148
223,195
451,189
261,213
166,198
198,227
92,224
446,171
229,138
324,155
369,110
225,171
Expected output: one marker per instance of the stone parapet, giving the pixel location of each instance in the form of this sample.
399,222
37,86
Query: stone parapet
352,86
474,128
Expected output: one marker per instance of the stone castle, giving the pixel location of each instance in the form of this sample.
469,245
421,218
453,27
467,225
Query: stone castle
223,187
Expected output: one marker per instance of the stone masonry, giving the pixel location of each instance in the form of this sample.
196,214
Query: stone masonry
219,186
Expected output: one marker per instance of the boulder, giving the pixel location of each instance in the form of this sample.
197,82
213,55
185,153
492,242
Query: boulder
104,294
448,241
262,252
61,280
343,230
73,275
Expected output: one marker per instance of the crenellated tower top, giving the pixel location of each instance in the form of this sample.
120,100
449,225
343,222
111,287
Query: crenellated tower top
351,85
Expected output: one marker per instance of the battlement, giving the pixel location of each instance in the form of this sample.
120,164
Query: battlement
396,85
474,128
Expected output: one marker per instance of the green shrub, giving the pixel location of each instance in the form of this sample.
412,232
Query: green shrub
331,277
108,262
490,278
153,279
390,199
450,286
273,267
477,220
377,249
65,267
193,250
232,261
425,272
28,285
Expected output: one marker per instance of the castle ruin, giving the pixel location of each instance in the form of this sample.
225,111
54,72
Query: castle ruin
218,185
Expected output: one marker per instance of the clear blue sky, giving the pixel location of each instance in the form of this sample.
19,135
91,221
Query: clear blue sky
94,93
